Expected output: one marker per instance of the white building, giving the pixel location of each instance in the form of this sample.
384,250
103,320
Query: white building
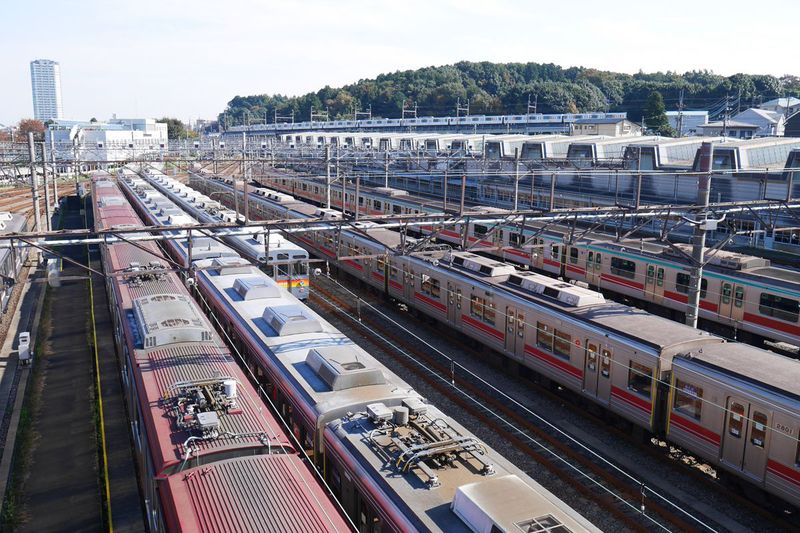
687,122
783,106
100,144
770,123
46,90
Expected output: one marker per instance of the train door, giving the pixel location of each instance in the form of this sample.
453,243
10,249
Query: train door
408,282
744,444
731,301
597,371
515,332
453,304
537,253
594,264
654,283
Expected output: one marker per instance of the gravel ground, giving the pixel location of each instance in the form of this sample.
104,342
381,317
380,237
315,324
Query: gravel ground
668,476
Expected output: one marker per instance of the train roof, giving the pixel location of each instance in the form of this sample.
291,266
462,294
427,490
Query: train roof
250,494
659,333
328,369
774,372
180,360
11,222
437,471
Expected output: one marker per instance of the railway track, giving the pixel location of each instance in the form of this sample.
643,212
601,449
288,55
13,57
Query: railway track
629,502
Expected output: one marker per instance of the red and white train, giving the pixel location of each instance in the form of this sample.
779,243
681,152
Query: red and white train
211,456
396,462
735,405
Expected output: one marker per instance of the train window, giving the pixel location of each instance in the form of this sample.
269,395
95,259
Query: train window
726,293
640,378
381,264
735,419
376,204
480,230
759,432
623,267
688,399
598,261
573,255
396,209
489,313
651,271
682,284
476,306
515,239
554,252
605,363
563,344
430,286
394,272
360,200
544,336
660,277
303,186
778,307
738,296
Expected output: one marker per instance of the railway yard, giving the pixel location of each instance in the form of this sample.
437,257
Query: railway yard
406,331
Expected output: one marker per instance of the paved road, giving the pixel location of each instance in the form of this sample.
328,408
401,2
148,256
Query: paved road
62,492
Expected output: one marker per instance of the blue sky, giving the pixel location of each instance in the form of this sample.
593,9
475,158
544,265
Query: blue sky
187,59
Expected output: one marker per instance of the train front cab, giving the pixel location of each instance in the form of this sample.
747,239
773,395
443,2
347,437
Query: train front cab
747,430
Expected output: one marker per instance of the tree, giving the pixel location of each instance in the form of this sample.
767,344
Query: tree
27,125
175,128
655,115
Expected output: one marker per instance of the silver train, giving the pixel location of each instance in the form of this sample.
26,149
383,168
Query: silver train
11,258
743,297
352,415
734,405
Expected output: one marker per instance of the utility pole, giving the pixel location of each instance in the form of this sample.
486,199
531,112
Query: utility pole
460,108
699,236
55,170
245,169
680,114
328,176
48,208
34,182
409,111
386,169
725,116
516,178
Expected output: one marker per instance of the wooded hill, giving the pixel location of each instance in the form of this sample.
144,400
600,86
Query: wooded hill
505,88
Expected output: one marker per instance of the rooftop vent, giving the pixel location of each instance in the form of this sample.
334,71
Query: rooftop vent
327,214
722,258
485,266
478,506
255,288
5,215
340,368
167,319
566,293
291,320
389,191
110,201
102,184
227,266
178,220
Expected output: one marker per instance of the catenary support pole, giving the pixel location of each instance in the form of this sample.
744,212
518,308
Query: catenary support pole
699,236
37,217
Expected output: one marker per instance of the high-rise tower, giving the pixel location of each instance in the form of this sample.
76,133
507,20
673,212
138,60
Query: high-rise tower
46,88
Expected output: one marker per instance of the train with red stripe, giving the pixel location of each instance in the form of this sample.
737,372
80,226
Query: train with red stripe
734,405
210,454
394,461
743,297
